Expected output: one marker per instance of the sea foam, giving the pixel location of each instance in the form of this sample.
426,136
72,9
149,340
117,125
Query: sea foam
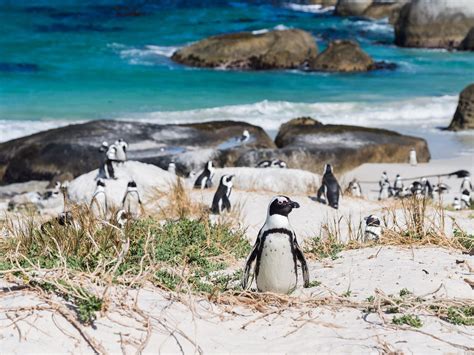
316,8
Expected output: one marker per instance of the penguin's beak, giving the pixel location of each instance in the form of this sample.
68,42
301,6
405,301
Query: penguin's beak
294,204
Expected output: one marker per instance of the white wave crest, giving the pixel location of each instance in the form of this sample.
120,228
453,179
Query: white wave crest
379,26
423,112
316,8
279,27
147,55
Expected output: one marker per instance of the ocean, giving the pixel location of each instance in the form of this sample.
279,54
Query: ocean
71,61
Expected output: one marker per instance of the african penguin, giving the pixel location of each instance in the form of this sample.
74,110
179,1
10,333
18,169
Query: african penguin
439,190
98,203
330,190
398,185
276,252
221,201
456,204
122,218
412,157
466,199
121,154
104,147
385,189
416,189
131,201
354,188
427,188
244,138
172,167
204,180
372,229
264,164
466,184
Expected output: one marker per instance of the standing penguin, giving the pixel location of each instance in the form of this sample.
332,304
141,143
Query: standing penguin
244,138
131,202
384,190
456,204
372,229
221,201
98,204
427,188
416,189
412,157
172,167
204,179
276,252
354,188
121,146
466,199
398,185
466,184
330,190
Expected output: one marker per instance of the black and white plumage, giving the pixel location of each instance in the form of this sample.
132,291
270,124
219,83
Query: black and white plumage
98,203
416,189
172,167
276,252
354,188
385,190
466,184
272,163
466,199
122,217
456,204
121,153
398,185
131,202
384,179
63,219
245,137
427,187
439,190
373,228
330,190
221,200
204,179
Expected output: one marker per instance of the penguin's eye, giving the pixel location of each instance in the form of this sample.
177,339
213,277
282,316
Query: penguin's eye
280,202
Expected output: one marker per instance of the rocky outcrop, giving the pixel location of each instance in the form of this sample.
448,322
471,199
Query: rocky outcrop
246,50
434,24
464,115
385,9
352,7
468,42
342,56
74,149
309,146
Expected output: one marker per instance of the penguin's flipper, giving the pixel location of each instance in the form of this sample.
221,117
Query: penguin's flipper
304,264
249,262
226,203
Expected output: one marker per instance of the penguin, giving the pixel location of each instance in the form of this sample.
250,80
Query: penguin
98,203
277,163
131,201
330,190
412,157
354,188
221,201
385,190
244,138
427,187
110,157
276,251
466,199
466,184
383,178
373,228
104,147
456,204
416,189
52,193
264,164
63,219
398,185
121,153
172,168
204,180
404,192
122,217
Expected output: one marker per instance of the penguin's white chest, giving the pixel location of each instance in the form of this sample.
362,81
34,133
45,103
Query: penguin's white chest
277,266
131,203
99,204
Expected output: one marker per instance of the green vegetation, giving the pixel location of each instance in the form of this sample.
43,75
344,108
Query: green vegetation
408,319
466,240
324,248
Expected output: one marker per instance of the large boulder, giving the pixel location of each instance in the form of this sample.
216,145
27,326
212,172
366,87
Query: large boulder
467,43
247,50
464,115
385,9
308,146
434,24
74,149
352,7
342,56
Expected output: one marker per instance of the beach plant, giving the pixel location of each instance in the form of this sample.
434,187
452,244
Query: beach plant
408,319
323,248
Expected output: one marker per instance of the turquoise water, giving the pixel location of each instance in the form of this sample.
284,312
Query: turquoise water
94,59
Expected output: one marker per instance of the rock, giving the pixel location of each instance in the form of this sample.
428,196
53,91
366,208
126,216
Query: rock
323,3
276,180
148,178
440,24
342,56
385,9
468,42
352,7
245,50
309,147
74,149
464,115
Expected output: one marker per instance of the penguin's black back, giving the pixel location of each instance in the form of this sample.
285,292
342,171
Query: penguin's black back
332,189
